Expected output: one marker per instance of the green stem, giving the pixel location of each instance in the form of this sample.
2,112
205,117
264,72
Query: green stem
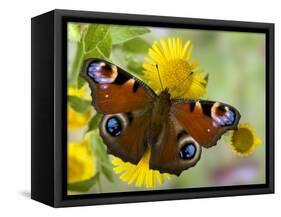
76,65
99,185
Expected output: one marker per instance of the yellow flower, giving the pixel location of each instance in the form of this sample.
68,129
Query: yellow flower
244,140
80,162
82,92
75,119
139,174
170,66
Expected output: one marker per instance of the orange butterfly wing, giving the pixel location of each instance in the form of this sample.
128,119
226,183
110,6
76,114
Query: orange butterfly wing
168,154
131,143
205,121
114,90
125,101
191,124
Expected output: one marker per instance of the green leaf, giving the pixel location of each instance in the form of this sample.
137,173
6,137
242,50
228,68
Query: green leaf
134,51
206,77
83,186
105,46
121,34
94,122
103,162
92,54
107,172
76,65
78,104
73,32
136,45
95,34
134,64
80,82
87,48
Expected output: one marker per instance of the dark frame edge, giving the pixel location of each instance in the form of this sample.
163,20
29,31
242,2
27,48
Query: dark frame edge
270,55
154,20
42,103
161,197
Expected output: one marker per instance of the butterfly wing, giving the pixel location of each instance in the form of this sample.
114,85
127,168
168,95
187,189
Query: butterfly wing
125,101
114,90
191,124
125,135
170,153
206,121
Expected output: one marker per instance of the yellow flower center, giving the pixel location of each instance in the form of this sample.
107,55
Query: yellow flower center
175,72
243,140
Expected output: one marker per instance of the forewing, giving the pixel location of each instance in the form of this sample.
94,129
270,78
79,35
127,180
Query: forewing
113,89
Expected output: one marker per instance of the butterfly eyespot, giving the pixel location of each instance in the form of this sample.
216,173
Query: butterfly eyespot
187,151
230,117
92,69
113,126
102,73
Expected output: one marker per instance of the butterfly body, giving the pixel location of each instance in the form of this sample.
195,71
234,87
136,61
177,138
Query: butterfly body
159,115
136,119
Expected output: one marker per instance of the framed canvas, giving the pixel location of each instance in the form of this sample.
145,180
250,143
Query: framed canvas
131,108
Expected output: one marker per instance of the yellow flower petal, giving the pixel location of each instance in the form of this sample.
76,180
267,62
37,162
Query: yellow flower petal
185,49
244,140
189,52
82,92
76,120
195,64
80,162
139,174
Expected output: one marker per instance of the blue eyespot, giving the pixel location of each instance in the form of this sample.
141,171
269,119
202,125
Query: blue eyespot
92,69
230,117
224,120
188,151
113,126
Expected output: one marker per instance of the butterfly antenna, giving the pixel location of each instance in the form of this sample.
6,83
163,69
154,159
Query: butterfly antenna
159,77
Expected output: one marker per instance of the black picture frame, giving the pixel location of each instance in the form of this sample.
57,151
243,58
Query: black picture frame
49,100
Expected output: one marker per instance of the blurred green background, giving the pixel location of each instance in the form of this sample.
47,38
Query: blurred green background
235,62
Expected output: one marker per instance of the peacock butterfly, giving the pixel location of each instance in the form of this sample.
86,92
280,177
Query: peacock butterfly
136,118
